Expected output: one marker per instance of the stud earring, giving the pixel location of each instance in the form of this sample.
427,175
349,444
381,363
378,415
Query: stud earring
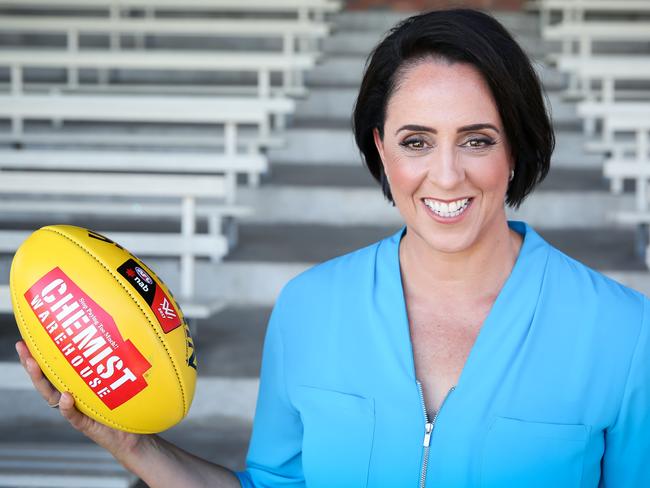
512,175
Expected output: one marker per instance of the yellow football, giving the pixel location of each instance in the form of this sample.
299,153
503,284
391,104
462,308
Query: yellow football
104,327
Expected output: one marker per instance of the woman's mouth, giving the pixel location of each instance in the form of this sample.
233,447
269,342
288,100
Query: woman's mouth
447,210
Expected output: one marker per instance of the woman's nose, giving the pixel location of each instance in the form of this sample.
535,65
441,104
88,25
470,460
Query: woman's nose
445,169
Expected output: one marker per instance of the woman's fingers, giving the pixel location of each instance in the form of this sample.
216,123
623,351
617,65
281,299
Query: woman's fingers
41,383
108,438
111,439
77,419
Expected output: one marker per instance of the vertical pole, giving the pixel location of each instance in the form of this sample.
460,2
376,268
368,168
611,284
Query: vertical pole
231,186
608,90
16,79
642,144
73,47
288,50
230,138
641,191
114,35
264,83
188,224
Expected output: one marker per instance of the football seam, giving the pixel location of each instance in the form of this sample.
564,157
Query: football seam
134,299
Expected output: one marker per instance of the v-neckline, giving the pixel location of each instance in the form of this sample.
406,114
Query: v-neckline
507,290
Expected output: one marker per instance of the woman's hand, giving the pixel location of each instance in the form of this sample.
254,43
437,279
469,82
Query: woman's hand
118,443
156,461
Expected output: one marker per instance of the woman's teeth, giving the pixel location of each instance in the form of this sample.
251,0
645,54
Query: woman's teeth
447,209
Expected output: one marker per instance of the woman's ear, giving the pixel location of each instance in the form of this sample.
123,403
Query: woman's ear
379,144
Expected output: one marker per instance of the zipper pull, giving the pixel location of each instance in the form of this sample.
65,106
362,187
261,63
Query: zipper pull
428,429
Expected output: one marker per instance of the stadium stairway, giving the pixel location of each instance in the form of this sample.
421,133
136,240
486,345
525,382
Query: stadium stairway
319,202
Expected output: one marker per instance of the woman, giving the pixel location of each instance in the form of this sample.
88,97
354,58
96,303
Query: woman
461,351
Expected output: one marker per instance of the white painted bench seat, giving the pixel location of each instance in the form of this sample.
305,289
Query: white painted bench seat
616,116
632,111
587,32
288,30
228,112
215,213
632,217
295,35
120,108
607,70
98,135
301,8
584,34
61,465
261,63
163,26
139,161
183,189
120,160
620,170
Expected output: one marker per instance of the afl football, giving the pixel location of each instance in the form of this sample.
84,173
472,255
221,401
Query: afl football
104,327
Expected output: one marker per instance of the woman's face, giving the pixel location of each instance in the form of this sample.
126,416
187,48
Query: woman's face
446,156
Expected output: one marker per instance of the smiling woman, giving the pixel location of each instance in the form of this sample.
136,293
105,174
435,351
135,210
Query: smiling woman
462,351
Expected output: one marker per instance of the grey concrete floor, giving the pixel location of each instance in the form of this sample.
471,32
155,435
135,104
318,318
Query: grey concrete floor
354,176
223,440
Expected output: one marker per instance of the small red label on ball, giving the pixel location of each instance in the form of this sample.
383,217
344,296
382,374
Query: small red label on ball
161,305
88,338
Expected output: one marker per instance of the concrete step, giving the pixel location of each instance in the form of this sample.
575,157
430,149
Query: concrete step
270,254
602,248
349,207
329,141
339,70
382,20
228,347
220,439
362,42
347,176
256,280
337,102
568,199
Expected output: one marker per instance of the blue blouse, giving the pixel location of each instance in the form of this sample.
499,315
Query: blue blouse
555,391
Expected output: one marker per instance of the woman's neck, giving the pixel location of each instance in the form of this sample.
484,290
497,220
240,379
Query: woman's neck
479,270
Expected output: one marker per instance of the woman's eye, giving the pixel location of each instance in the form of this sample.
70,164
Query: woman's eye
413,143
478,142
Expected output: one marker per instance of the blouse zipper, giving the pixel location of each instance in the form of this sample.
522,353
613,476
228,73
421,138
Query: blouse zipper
428,430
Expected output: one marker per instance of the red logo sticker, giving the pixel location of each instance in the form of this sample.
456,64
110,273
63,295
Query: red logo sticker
165,312
88,338
161,305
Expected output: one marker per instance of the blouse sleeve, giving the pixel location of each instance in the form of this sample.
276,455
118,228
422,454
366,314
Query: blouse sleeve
627,443
275,452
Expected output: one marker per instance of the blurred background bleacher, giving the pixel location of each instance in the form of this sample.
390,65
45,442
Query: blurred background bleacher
212,137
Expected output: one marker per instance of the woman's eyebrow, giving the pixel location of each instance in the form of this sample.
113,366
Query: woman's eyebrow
465,128
472,127
415,127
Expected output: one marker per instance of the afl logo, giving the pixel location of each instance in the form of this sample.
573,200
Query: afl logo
143,275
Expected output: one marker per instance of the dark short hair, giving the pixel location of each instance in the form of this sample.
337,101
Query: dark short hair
467,36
